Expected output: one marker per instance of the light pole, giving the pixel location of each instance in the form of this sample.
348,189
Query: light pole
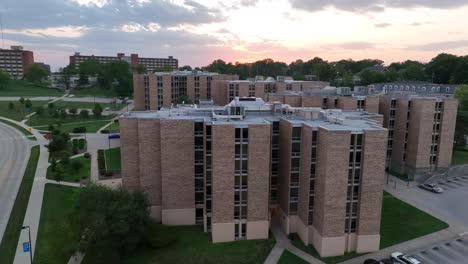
30,244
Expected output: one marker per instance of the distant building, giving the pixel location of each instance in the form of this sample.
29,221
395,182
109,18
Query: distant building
413,87
162,89
151,64
57,80
232,168
45,67
16,61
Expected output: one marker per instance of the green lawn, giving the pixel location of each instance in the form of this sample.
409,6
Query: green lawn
289,258
91,126
24,88
58,234
71,175
46,120
192,246
460,157
93,91
18,112
13,228
402,222
86,105
114,127
20,128
112,159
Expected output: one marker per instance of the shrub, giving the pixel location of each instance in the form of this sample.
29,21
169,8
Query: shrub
81,143
80,129
109,173
51,127
84,113
87,155
101,162
73,110
105,131
64,157
75,149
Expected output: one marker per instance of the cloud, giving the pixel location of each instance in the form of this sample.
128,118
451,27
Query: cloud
248,2
382,25
355,45
440,46
374,5
104,14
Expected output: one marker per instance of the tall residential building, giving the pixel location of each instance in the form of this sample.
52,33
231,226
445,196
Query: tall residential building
151,64
16,61
420,133
225,91
328,98
162,89
229,168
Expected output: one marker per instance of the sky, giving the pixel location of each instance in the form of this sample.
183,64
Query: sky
198,32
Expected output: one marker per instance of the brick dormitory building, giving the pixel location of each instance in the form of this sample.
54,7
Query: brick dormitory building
313,156
227,167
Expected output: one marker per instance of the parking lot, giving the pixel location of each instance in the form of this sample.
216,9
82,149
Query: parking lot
450,206
451,252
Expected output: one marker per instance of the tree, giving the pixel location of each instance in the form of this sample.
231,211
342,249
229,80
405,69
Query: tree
58,174
165,68
21,100
184,100
140,68
28,104
11,106
368,77
461,128
414,71
39,111
462,95
460,73
4,79
64,157
35,73
97,111
440,68
51,106
67,73
185,68
113,222
84,113
63,114
73,110
53,164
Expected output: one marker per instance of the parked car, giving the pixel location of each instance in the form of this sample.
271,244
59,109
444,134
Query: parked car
399,257
112,136
432,187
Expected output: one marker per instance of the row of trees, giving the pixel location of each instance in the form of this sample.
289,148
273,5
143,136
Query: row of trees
461,129
444,68
113,75
35,74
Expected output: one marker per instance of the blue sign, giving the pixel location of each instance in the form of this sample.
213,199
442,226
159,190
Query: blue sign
26,247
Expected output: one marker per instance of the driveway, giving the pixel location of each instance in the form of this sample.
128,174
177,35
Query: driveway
14,156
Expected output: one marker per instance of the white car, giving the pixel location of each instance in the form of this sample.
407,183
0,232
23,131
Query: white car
404,259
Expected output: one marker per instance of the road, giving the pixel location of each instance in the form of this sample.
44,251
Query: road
14,156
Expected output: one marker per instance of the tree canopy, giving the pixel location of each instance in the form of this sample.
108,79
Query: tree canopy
4,79
35,73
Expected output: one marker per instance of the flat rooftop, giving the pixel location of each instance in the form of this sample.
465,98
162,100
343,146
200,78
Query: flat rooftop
258,112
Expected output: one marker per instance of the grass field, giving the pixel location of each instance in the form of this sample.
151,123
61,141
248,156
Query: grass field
289,258
93,91
400,222
13,228
20,128
114,127
57,235
112,159
18,112
85,105
23,88
193,246
92,126
71,175
460,157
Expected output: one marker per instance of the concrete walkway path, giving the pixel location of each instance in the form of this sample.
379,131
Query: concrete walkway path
283,243
33,212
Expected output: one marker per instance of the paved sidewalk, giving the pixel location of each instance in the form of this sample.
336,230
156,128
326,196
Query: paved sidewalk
33,211
283,243
71,184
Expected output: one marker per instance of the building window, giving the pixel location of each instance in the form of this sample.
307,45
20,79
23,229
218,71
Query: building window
354,183
241,182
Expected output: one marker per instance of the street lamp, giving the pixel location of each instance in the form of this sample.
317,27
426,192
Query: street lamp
30,244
